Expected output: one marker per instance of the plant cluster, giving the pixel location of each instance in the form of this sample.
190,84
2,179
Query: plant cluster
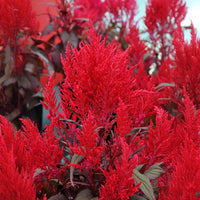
117,132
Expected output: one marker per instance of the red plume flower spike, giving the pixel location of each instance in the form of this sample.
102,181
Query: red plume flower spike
96,76
50,101
16,16
88,144
186,173
15,182
159,138
119,179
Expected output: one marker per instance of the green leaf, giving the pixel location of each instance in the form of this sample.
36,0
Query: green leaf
55,57
136,197
139,167
8,65
39,52
38,171
137,129
58,197
49,28
154,171
69,37
145,185
75,160
7,55
10,81
164,85
14,114
84,195
24,82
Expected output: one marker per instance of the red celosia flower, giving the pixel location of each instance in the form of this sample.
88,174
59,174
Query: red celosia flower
159,138
165,73
43,150
15,183
191,119
140,105
160,15
186,173
31,149
50,101
161,20
7,132
119,181
96,77
92,10
14,143
187,58
15,17
89,145
122,11
137,46
123,119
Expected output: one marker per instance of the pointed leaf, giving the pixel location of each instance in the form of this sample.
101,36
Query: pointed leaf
49,28
8,61
39,52
139,167
65,37
10,81
75,160
145,186
7,55
136,197
154,171
73,39
55,57
84,195
58,197
164,85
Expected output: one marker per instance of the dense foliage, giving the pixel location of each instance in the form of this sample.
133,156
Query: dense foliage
118,131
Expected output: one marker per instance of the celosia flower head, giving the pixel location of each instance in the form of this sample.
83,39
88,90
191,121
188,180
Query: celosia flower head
186,173
120,9
119,180
16,17
187,58
160,15
89,9
96,77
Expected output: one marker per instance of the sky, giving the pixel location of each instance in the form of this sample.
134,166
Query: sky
193,13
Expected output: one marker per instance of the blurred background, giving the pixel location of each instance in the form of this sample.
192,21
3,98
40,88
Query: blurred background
42,6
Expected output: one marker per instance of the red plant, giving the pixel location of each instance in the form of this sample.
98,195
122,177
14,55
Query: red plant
50,102
189,120
121,11
186,173
92,10
161,20
43,150
96,76
88,144
20,62
14,184
159,139
117,132
19,18
119,182
187,65
137,46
